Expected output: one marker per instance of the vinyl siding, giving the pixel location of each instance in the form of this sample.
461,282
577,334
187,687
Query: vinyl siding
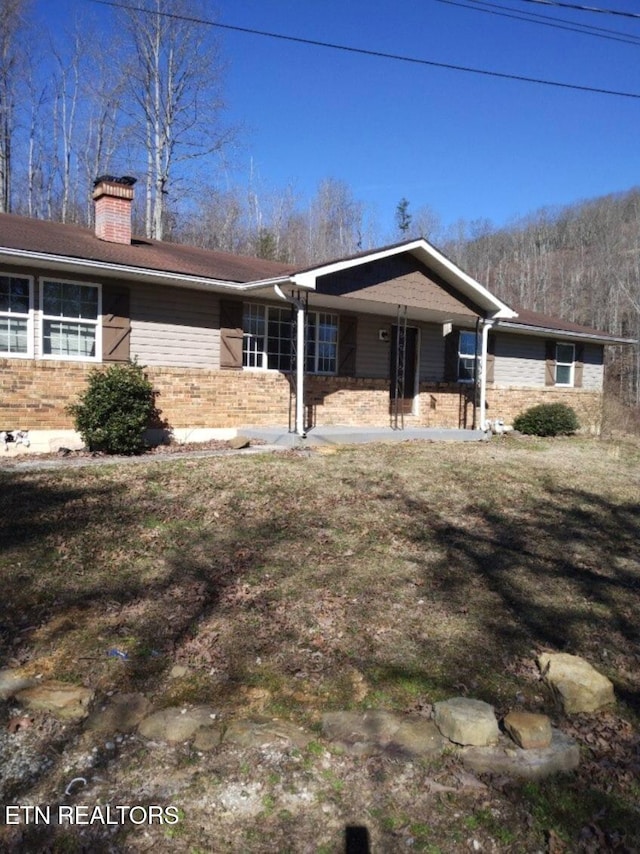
175,328
373,355
520,361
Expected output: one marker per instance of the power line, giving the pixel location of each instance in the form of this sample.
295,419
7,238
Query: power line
545,20
579,8
375,53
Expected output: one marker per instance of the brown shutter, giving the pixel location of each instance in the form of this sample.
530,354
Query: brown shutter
578,367
491,358
230,334
451,350
347,345
550,363
116,323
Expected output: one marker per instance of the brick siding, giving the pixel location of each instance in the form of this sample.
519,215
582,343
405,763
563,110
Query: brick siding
34,394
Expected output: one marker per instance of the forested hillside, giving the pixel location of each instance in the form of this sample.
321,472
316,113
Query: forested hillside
580,262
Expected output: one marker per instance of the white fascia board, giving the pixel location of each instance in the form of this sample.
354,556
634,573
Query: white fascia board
429,255
548,332
81,265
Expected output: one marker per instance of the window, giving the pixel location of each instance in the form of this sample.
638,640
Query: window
565,360
322,343
268,333
468,345
15,316
70,328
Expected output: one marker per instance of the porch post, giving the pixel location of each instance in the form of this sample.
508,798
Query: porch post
300,352
482,421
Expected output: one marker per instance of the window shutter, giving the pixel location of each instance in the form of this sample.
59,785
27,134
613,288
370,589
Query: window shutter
347,345
116,323
451,356
491,358
550,363
230,334
578,368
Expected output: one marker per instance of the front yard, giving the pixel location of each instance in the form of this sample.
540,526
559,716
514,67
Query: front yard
288,585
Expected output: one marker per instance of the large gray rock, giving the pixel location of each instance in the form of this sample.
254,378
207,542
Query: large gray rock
363,733
578,685
465,721
177,724
60,698
562,755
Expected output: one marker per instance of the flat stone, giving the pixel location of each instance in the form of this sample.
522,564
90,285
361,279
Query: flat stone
580,687
262,732
178,671
122,713
529,731
239,442
361,732
562,756
417,737
60,698
208,738
364,733
466,721
13,681
177,723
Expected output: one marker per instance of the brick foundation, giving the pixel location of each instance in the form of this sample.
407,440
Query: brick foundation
34,394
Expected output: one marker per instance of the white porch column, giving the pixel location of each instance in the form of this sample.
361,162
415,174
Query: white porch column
482,421
300,351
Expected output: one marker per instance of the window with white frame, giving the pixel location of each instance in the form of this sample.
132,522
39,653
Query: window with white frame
70,314
268,334
15,316
468,346
565,361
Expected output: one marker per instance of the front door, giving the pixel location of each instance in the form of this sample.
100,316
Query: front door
403,368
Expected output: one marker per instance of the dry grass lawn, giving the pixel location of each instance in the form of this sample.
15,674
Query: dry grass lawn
385,576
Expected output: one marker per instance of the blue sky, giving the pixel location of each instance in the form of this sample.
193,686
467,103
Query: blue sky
468,146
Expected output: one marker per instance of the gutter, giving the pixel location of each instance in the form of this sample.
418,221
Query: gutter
527,329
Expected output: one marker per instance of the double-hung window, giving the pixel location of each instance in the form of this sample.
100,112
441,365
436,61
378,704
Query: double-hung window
70,313
16,323
565,362
468,347
268,339
322,343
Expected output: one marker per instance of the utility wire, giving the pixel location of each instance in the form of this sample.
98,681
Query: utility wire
579,8
545,20
375,53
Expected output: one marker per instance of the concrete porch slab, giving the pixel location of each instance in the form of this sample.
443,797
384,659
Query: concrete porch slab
359,435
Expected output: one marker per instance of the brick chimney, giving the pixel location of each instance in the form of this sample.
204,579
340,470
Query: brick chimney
113,197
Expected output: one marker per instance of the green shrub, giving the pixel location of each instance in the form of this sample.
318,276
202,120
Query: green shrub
115,409
547,419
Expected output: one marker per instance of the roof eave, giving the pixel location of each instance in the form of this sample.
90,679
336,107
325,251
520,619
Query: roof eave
548,331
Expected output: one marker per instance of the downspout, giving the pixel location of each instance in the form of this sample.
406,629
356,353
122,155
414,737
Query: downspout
486,327
300,349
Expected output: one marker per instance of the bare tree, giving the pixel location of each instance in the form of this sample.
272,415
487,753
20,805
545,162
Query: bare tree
12,25
174,88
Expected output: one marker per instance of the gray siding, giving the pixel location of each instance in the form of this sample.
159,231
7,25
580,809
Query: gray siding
593,374
431,353
373,355
520,361
174,327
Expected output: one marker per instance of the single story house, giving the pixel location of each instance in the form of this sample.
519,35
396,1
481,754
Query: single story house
395,336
